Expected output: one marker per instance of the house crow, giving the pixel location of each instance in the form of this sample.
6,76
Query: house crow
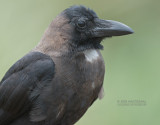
58,80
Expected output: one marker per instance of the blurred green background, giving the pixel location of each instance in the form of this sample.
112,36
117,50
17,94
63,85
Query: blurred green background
132,62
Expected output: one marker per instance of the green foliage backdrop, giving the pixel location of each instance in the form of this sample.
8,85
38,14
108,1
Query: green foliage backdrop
132,62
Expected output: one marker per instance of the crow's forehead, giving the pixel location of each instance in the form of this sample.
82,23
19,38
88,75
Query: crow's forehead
80,11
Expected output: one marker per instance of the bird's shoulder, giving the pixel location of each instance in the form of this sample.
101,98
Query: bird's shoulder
30,59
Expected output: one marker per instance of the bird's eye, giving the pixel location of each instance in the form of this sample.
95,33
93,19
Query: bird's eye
81,24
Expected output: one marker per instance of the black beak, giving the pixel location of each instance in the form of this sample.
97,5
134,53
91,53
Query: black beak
108,28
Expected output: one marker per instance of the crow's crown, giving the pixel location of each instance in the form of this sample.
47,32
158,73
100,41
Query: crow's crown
80,11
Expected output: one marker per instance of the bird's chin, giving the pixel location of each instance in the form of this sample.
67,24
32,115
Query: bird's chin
92,43
97,42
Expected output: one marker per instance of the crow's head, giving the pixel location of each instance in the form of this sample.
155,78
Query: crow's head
89,30
78,28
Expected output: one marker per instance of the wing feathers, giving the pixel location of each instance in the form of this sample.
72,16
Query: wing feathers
32,72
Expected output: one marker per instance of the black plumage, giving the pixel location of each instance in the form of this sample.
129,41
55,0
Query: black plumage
33,72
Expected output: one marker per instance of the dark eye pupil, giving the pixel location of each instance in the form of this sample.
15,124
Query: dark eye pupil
81,24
